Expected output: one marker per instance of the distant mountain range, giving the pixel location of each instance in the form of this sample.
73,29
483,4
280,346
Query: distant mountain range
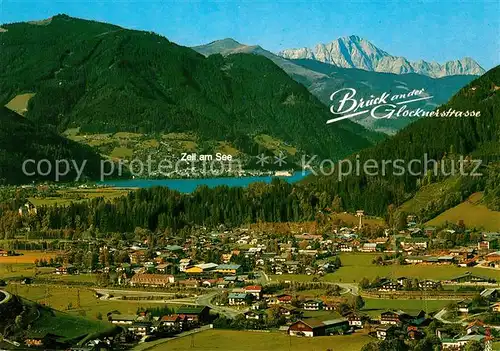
356,52
322,79
96,78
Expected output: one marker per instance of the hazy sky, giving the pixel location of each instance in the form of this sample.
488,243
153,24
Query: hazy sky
429,30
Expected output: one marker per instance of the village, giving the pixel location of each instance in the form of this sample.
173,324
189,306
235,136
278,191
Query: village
254,279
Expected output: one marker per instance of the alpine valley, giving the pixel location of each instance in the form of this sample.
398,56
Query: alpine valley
387,240
353,67
125,92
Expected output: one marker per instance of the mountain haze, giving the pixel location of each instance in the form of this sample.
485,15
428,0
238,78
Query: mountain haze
356,52
322,79
433,138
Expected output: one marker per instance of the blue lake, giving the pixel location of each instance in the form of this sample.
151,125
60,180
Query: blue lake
189,185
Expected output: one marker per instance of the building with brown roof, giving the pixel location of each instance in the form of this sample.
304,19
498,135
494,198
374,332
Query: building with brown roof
153,280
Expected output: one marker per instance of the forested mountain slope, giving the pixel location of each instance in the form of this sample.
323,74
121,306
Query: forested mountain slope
159,209
440,138
22,140
322,79
103,78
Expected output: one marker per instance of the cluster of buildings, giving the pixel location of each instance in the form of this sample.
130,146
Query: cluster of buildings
144,323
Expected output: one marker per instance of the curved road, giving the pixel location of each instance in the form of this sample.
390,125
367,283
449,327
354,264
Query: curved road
6,296
226,311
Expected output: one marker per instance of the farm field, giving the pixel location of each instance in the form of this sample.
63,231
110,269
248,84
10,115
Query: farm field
472,212
65,298
228,340
8,270
66,325
19,104
29,256
359,265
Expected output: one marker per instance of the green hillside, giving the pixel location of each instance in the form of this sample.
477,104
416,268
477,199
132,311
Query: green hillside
472,212
21,140
443,139
102,78
369,83
323,79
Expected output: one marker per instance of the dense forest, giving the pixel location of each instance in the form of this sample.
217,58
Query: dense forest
443,139
104,78
161,208
21,139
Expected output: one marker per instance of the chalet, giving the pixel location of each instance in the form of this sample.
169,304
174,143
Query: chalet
229,269
285,298
184,263
137,257
492,257
477,327
255,290
393,317
209,282
41,340
67,269
389,286
329,307
414,259
289,312
469,278
414,332
140,328
369,247
488,244
174,322
495,307
464,306
236,299
467,262
153,280
164,268
195,314
313,305
256,315
429,284
459,342
346,248
4,253
414,243
122,319
309,327
355,321
463,253
385,331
